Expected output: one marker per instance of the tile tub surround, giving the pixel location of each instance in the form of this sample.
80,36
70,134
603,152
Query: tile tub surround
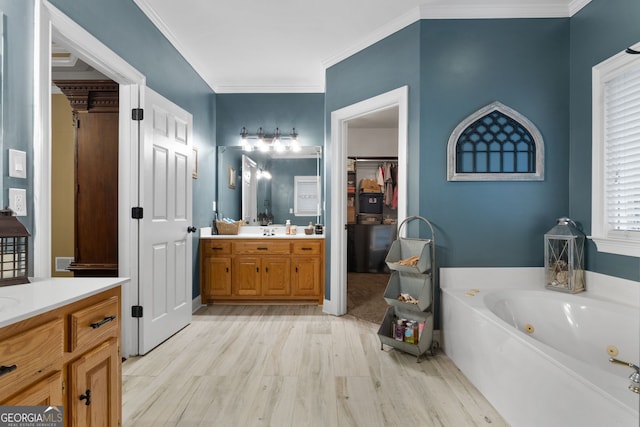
528,382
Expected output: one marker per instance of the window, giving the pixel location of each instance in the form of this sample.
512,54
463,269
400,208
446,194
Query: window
306,201
495,143
616,155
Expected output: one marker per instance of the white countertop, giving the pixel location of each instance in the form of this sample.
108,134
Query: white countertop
257,232
19,302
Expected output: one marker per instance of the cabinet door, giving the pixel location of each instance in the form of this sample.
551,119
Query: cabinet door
94,387
47,392
305,275
276,276
246,276
216,278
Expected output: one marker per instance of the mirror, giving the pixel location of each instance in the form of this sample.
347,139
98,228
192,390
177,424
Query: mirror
268,187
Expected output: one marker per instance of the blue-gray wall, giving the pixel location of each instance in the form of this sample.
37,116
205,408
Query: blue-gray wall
467,64
120,25
540,67
387,65
302,111
17,99
600,30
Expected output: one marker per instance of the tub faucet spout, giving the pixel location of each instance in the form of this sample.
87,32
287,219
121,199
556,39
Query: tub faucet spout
634,377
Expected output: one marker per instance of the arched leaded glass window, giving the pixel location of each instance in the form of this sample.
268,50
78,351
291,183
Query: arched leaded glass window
495,143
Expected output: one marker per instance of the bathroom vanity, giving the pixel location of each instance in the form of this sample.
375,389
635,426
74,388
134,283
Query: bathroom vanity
60,346
251,268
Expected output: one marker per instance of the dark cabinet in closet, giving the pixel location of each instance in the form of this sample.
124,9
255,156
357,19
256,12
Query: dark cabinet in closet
95,117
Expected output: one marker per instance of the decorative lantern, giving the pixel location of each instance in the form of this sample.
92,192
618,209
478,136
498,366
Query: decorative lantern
564,257
14,250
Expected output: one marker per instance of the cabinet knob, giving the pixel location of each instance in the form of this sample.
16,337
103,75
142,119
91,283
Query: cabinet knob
86,397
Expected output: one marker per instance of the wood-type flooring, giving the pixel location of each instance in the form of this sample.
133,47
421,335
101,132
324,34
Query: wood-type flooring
293,366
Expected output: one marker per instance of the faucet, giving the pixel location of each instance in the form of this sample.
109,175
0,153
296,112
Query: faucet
634,377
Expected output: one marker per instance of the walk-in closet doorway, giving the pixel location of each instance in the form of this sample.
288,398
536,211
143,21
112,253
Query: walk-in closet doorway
394,106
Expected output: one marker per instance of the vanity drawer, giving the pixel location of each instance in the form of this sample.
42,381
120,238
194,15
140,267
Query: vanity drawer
262,247
306,248
30,355
95,323
213,247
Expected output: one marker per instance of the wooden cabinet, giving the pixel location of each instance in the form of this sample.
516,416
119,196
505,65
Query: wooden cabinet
215,258
95,108
95,386
262,270
70,357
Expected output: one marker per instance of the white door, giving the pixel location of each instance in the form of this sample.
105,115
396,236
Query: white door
165,240
249,190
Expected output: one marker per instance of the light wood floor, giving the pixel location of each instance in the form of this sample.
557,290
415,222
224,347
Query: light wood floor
293,366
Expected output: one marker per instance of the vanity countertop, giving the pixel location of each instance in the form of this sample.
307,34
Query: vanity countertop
20,302
257,232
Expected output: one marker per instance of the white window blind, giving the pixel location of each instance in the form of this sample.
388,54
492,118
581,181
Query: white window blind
622,150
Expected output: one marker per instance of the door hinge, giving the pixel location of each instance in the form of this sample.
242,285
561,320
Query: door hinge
136,311
137,114
136,213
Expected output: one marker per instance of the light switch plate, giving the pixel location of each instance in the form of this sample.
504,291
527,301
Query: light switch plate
18,201
17,163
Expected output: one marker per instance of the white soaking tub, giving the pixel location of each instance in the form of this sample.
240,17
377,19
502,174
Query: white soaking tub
542,357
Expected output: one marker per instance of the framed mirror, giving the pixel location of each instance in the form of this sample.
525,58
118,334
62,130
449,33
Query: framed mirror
271,186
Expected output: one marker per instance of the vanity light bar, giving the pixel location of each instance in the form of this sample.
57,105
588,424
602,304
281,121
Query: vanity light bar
266,142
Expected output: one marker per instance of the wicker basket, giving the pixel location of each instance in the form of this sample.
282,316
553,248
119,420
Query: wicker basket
228,228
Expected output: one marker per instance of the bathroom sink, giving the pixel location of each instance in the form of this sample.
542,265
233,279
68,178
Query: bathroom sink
8,302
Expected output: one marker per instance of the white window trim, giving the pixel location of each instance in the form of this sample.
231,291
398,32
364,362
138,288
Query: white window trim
606,240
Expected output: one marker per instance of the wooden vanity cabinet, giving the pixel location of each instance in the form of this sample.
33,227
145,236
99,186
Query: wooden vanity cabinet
65,355
262,270
215,268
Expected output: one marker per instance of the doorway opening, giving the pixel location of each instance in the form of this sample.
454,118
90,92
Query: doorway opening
372,209
395,100
53,25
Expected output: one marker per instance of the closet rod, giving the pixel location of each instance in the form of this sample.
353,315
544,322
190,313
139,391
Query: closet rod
376,159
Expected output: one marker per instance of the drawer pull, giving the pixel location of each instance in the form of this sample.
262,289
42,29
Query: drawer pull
307,249
263,249
216,248
7,369
86,397
103,321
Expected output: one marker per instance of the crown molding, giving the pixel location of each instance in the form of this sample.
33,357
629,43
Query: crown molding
385,31
149,11
487,10
267,89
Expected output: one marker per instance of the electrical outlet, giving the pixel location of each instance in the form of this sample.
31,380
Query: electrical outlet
214,205
18,201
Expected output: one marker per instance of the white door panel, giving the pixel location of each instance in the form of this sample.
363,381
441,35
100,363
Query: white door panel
165,244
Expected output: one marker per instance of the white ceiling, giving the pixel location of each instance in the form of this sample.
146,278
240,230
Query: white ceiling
266,46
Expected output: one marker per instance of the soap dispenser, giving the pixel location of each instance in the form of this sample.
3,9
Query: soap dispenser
287,227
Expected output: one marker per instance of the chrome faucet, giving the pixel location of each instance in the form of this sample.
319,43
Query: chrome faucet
634,377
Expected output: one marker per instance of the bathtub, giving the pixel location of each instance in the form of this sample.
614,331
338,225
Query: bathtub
542,357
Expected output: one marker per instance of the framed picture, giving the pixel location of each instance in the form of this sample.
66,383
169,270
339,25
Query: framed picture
232,177
194,173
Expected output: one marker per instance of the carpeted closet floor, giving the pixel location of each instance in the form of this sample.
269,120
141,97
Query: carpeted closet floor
365,296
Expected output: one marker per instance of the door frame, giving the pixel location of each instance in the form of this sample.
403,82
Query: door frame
339,127
51,23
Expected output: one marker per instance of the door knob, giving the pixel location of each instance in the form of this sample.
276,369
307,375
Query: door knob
191,229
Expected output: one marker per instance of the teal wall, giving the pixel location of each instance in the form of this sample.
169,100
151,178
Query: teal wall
302,111
17,99
121,26
467,64
387,65
600,30
540,67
